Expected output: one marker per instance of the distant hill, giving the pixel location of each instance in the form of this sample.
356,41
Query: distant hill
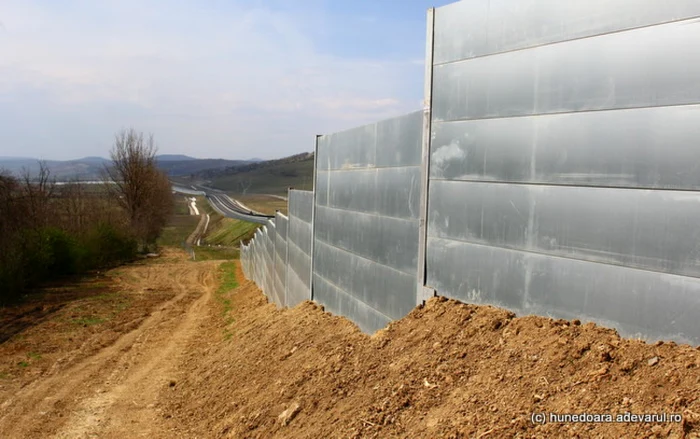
174,157
177,168
90,168
267,177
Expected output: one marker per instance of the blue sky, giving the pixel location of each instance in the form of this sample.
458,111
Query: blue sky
209,78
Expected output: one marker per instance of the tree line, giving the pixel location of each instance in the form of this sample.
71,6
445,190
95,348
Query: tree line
49,230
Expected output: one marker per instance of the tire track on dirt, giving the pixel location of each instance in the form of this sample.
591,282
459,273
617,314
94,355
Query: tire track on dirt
114,392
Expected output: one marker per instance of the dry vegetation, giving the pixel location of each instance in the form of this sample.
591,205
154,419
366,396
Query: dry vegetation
48,231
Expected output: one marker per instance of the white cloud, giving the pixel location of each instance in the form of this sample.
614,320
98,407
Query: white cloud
206,82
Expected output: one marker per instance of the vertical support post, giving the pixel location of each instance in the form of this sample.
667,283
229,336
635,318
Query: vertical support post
313,216
423,293
286,256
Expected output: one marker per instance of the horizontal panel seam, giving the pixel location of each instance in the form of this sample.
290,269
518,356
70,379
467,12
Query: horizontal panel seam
319,240
300,219
555,113
568,185
354,298
552,43
367,214
561,257
299,248
368,168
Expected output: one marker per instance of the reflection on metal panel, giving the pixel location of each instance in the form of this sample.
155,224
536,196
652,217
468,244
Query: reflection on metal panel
354,148
399,141
366,220
280,266
300,234
524,282
339,302
398,192
619,70
388,241
299,242
389,291
300,264
650,229
393,192
301,204
647,148
480,27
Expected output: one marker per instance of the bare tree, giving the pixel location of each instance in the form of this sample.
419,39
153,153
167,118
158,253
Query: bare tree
139,187
37,192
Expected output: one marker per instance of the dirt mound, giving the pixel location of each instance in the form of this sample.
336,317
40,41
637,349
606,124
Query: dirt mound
446,370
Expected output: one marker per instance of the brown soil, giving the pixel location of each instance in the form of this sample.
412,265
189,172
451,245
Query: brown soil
100,371
209,365
446,370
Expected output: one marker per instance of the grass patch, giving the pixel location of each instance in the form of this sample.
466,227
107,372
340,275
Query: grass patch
227,276
34,356
229,282
264,204
182,204
4,376
22,364
216,253
230,232
178,229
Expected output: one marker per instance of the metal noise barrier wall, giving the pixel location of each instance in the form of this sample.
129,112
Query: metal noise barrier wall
555,172
280,266
269,277
366,221
299,243
564,175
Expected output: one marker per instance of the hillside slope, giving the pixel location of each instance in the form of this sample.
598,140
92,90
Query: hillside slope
270,177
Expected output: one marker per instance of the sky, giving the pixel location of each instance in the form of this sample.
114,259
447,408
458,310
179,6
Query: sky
232,79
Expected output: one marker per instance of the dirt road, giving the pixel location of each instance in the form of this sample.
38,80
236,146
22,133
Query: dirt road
114,392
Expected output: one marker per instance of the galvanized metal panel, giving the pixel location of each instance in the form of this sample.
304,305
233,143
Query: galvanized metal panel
354,148
473,28
397,191
351,190
280,259
389,291
646,148
476,274
321,190
399,140
425,157
648,229
300,263
301,204
279,292
391,192
389,241
297,291
339,302
299,247
619,70
281,222
625,298
367,201
300,234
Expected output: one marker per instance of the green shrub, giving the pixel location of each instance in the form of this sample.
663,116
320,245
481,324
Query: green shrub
63,252
106,245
